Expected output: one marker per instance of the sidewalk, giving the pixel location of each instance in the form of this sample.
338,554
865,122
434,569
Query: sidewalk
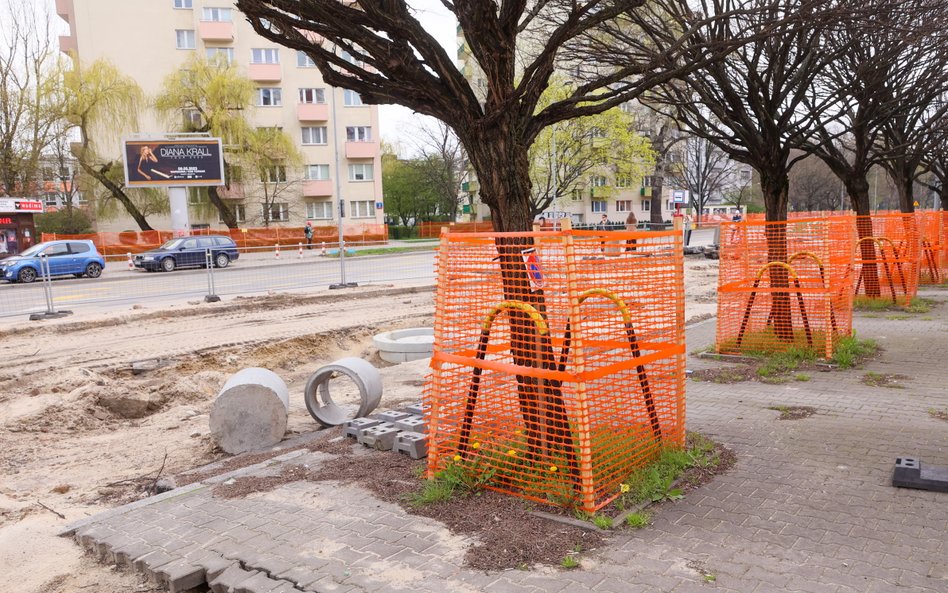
808,506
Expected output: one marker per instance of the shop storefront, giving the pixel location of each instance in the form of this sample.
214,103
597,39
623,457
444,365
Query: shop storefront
17,231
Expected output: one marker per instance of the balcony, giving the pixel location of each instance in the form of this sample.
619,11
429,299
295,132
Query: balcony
361,150
216,30
312,112
67,44
64,9
264,72
317,188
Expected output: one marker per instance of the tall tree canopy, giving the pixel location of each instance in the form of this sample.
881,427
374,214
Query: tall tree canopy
379,49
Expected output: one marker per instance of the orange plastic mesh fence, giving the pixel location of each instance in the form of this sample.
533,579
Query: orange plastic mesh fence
136,242
559,360
785,284
433,229
887,255
934,251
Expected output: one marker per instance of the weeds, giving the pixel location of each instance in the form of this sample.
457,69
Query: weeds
938,414
569,561
850,351
881,304
780,363
883,380
639,520
793,412
898,317
801,377
602,521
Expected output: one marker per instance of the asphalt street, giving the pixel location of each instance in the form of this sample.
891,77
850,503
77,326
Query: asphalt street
118,286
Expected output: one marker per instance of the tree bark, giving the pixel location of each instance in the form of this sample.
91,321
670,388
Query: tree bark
858,190
227,215
658,182
117,193
776,186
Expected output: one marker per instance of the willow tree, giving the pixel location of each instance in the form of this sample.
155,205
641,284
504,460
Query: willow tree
212,96
104,104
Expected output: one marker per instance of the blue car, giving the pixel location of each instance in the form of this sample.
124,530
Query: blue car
188,252
76,258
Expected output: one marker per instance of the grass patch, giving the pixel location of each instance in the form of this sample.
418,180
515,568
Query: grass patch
639,520
851,351
602,522
793,412
898,317
801,377
779,364
884,380
765,342
724,375
569,561
938,414
882,304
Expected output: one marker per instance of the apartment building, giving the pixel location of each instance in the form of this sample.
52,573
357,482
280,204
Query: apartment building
149,39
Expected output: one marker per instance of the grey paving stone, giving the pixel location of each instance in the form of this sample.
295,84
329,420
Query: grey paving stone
180,576
228,580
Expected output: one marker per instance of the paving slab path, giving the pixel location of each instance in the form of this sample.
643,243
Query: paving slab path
808,507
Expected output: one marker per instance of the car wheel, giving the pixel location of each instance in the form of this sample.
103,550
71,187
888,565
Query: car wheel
27,275
221,260
93,270
167,264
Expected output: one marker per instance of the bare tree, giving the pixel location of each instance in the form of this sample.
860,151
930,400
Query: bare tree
706,172
664,135
29,98
814,187
441,162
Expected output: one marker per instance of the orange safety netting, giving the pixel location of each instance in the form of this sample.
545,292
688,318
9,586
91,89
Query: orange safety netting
433,229
887,253
785,284
137,242
559,360
933,228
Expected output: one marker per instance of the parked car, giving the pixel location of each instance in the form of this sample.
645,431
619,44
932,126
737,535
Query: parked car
77,258
188,252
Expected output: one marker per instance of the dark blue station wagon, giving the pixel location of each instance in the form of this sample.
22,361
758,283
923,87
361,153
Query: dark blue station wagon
188,252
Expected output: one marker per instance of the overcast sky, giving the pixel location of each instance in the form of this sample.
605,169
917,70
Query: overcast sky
441,24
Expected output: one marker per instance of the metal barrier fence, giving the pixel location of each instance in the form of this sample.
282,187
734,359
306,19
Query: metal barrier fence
255,271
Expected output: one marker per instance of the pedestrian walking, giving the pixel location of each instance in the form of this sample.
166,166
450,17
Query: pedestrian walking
308,233
631,224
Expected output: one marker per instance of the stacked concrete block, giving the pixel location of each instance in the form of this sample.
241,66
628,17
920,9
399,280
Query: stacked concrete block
354,428
381,437
415,409
413,444
412,424
392,416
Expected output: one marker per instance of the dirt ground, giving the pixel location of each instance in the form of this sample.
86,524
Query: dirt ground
93,406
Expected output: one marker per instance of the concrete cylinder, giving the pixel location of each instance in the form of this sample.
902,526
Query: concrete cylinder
250,411
319,401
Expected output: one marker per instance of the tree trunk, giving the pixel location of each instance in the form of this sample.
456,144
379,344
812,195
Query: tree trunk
775,186
902,175
858,189
117,193
658,181
227,215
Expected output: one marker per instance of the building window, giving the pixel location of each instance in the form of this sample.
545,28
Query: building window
269,97
646,205
314,134
217,15
312,95
623,181
240,212
352,98
304,61
358,134
274,174
182,3
599,206
647,181
745,175
184,38
577,195
360,172
264,56
316,172
362,209
623,205
350,58
220,53
598,181
276,212
321,210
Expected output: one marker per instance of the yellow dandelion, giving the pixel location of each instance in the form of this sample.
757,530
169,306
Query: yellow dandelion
553,468
512,453
476,446
517,431
624,488
457,458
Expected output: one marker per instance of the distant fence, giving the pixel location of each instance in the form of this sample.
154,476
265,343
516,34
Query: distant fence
139,241
433,229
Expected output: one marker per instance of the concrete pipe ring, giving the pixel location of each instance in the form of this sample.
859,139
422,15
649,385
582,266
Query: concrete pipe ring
319,401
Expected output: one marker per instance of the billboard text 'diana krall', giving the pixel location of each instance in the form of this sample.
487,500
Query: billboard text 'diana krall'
168,163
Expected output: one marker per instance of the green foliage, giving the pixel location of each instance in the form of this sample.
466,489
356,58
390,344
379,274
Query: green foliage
850,351
880,304
433,491
460,478
639,520
68,221
765,342
801,377
920,305
781,363
569,562
602,521
408,196
564,157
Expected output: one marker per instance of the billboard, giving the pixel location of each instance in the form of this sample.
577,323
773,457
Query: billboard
162,163
680,196
17,205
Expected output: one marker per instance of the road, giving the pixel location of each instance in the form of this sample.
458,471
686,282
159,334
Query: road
118,286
